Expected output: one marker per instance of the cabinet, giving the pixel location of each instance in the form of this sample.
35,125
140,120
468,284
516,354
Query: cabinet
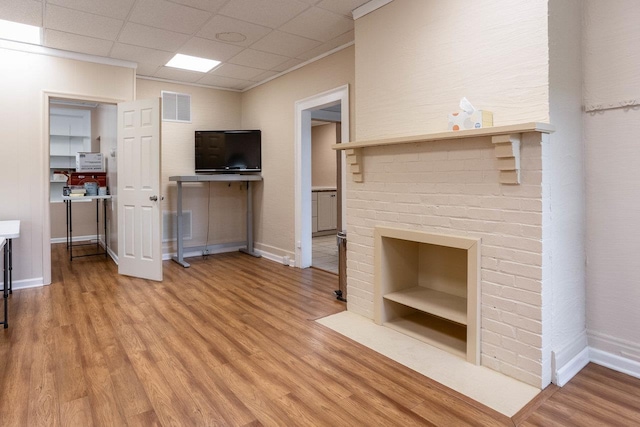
69,133
324,211
426,286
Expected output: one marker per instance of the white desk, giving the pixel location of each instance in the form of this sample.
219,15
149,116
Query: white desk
215,178
9,230
68,201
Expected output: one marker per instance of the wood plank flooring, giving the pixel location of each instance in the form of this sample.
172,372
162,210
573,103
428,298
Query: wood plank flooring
232,341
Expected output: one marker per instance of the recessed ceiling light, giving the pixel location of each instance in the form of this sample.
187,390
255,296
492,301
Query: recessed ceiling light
232,37
192,63
19,32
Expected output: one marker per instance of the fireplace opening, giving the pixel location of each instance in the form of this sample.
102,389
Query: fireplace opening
427,287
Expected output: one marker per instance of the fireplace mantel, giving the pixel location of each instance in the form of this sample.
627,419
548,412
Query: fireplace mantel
506,140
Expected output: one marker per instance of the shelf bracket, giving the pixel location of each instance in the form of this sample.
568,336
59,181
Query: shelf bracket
354,160
507,151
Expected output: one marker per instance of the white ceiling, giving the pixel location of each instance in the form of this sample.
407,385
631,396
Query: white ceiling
280,34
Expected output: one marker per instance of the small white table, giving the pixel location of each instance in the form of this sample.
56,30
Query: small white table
9,230
68,201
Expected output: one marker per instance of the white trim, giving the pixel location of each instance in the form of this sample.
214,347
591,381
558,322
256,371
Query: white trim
156,79
76,239
369,7
213,249
571,368
276,258
615,362
42,50
303,107
27,283
304,64
565,363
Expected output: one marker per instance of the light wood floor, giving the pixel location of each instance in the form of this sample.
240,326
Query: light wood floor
232,341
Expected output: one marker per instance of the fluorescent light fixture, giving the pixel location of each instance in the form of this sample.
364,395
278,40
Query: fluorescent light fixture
192,63
19,32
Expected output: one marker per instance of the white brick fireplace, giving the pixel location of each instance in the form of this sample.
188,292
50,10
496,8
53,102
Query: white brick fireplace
465,185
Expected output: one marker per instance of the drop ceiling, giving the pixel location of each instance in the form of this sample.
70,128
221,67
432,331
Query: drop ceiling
255,39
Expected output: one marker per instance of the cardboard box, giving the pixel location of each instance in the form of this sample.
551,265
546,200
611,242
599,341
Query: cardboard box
476,120
79,178
89,162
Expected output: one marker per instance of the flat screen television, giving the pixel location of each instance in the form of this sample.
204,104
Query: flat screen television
230,151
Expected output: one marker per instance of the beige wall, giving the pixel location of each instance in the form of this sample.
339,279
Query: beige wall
24,78
218,207
323,157
415,59
613,177
270,107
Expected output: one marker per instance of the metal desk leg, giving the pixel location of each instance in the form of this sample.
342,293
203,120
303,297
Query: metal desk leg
5,288
249,250
104,217
97,225
70,233
66,206
10,246
180,256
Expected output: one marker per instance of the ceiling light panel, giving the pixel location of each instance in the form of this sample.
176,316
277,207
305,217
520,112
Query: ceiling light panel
20,32
192,63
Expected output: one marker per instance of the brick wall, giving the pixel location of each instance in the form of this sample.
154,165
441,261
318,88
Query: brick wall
452,187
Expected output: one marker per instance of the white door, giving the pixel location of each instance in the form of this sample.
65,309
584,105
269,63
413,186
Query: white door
139,199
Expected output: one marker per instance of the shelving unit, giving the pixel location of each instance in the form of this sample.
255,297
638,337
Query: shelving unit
69,133
426,286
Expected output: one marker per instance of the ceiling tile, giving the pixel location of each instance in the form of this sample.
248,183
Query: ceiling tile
237,72
288,64
77,43
77,22
258,59
140,54
24,11
170,73
226,82
326,47
224,24
210,49
318,24
264,76
284,44
118,9
343,7
208,5
270,13
168,16
155,38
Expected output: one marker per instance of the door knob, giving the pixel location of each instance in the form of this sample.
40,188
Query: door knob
153,198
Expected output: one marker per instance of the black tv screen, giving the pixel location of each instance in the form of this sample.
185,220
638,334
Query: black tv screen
228,151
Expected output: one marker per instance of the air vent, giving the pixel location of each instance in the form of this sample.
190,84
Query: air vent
170,226
176,107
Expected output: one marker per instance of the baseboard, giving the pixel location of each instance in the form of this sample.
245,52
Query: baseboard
75,239
37,282
615,362
569,360
571,368
285,260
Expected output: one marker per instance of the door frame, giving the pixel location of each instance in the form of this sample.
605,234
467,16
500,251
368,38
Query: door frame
303,109
45,150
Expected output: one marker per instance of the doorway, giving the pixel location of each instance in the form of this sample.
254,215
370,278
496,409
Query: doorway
92,133
325,167
305,111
